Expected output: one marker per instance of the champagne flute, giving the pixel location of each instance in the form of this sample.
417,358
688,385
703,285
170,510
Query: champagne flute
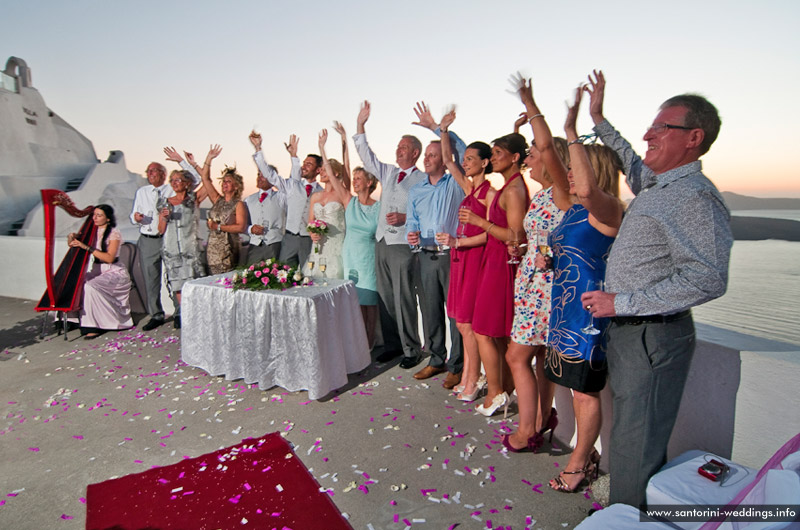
323,266
441,249
390,228
592,285
514,241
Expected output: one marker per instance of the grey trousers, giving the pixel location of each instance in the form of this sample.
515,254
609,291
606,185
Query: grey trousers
150,260
295,249
647,367
394,270
256,253
434,284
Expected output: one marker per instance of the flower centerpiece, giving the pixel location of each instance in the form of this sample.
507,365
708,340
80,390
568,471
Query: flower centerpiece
268,274
317,227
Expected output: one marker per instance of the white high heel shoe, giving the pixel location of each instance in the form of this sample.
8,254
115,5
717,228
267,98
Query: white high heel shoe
500,400
479,386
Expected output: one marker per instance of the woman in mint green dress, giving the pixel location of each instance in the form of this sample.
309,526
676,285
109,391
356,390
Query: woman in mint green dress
358,253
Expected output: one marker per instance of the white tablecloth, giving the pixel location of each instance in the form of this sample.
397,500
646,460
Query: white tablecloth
304,338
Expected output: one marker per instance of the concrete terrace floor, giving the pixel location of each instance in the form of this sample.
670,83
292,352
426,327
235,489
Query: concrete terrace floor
79,412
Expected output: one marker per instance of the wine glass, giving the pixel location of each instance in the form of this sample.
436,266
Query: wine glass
592,285
514,241
441,249
323,266
542,243
414,227
390,228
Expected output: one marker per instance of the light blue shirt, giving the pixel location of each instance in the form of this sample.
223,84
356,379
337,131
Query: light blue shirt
434,207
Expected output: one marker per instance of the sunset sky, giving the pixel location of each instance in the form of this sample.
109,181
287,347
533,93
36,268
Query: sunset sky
137,76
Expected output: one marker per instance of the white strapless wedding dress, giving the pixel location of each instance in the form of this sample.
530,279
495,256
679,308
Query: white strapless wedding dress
330,247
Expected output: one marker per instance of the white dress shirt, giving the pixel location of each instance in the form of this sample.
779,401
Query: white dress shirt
269,213
297,198
393,194
145,203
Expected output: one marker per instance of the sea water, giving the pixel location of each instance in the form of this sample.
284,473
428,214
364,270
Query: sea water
763,297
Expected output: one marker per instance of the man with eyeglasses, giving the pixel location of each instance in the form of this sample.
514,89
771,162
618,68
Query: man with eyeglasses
671,254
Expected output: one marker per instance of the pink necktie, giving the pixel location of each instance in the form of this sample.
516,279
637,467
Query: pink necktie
263,196
401,176
308,190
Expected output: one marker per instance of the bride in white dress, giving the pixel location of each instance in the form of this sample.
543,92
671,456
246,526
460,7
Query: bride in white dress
328,206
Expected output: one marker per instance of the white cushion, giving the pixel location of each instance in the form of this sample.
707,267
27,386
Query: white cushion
618,517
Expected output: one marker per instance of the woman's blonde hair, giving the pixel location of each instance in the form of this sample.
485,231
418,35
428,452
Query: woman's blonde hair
339,172
607,167
372,182
237,178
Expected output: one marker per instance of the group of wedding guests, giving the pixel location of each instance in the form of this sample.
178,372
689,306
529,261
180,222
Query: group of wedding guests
519,278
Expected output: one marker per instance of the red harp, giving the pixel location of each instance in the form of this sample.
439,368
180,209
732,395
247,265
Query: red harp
64,287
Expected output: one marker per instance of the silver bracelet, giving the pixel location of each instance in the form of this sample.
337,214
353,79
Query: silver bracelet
535,116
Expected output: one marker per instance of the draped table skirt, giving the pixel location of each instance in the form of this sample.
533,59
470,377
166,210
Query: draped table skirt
304,338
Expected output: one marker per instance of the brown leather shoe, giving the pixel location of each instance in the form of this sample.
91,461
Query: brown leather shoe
451,380
428,371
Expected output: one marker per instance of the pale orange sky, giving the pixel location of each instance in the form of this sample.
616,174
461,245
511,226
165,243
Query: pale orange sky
190,74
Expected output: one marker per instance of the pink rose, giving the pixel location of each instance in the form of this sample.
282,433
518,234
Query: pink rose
265,280
244,280
258,274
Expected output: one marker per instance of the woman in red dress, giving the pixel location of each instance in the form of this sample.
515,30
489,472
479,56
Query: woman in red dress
467,249
494,301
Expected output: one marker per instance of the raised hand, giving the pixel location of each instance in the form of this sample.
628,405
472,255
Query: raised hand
363,114
572,112
424,116
596,95
292,145
213,152
339,128
323,137
190,158
524,88
255,139
173,155
522,120
448,119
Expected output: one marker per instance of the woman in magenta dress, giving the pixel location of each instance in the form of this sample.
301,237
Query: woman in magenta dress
494,301
467,249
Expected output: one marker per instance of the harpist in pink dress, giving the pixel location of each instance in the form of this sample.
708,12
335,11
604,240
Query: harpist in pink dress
465,273
106,292
494,302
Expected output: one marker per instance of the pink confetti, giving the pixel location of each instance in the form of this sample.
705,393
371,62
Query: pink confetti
426,492
34,449
78,437
537,489
66,517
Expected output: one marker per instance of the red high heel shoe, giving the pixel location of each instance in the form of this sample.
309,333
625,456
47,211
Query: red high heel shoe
534,443
552,423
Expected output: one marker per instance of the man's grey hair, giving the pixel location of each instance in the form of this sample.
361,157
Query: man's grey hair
701,114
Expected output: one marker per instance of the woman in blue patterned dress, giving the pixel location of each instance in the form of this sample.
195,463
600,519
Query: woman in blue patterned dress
589,197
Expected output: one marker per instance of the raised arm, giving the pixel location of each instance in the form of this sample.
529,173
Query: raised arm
339,128
604,207
205,172
447,153
371,163
174,156
337,185
261,162
635,171
543,140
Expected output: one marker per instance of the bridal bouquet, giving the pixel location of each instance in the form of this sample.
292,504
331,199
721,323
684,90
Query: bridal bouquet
269,274
317,227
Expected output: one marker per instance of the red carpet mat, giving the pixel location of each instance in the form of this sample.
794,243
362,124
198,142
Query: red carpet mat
259,484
